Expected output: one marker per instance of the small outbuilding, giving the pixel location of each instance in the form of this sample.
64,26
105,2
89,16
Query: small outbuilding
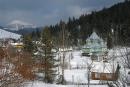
105,71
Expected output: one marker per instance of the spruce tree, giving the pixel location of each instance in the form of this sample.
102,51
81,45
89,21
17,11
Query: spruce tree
109,41
28,43
48,60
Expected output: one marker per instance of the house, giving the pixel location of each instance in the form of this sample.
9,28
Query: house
17,44
95,46
105,71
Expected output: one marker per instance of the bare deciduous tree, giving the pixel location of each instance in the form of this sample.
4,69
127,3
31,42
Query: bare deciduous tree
15,67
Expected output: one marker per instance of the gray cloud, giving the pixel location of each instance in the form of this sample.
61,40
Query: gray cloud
45,12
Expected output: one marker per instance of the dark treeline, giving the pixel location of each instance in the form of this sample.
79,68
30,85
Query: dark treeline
116,18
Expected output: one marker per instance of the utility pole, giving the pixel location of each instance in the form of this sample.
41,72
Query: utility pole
89,67
79,38
113,43
63,46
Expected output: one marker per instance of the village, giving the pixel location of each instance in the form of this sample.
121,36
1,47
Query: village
64,43
92,64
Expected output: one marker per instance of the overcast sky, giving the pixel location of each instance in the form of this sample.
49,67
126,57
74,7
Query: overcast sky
46,12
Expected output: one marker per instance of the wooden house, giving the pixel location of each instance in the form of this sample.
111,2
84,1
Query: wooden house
17,44
104,71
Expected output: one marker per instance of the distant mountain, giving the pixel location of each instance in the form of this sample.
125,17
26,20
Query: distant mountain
24,31
21,27
6,34
18,25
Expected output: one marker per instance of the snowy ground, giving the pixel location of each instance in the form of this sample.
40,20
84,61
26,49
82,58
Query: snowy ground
76,70
75,73
41,84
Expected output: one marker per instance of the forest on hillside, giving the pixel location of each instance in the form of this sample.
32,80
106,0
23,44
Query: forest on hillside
103,22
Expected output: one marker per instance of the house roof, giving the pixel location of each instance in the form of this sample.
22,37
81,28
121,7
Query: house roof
14,44
94,36
104,67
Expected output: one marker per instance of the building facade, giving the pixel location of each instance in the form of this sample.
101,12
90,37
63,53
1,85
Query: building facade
95,46
105,71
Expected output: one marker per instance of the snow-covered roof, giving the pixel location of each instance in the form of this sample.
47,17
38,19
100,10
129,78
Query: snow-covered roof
94,36
14,44
94,41
6,34
104,67
65,49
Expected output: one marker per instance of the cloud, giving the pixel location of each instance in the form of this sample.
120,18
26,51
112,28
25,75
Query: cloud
77,10
46,12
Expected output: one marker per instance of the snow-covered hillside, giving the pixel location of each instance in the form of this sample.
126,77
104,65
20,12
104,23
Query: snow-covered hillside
6,34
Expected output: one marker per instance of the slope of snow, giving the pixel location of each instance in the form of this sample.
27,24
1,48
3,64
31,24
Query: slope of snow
6,34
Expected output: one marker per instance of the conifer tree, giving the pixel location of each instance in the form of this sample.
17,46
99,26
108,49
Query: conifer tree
109,41
28,44
48,60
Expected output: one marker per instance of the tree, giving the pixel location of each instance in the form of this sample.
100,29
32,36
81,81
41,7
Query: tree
109,41
17,67
118,14
28,43
47,60
38,33
24,65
